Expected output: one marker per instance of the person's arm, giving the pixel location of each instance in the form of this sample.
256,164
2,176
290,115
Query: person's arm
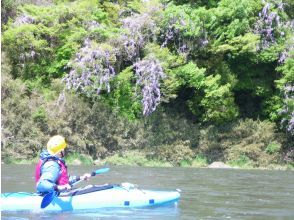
50,173
73,179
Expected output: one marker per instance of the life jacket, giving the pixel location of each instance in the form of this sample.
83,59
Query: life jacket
63,176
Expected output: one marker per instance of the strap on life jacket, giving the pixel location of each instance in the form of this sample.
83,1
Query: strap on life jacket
58,160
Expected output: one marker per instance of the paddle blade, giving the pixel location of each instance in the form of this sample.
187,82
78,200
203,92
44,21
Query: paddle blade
48,199
102,170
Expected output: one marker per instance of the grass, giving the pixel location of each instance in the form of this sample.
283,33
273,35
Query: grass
134,158
139,158
77,159
198,161
20,161
241,162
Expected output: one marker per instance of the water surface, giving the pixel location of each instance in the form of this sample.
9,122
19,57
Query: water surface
206,193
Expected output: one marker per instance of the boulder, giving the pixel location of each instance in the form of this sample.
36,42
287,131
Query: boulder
98,162
76,162
218,165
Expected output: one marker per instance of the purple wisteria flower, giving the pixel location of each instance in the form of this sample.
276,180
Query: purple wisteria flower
91,25
289,46
176,35
268,23
139,29
24,19
288,109
148,74
92,69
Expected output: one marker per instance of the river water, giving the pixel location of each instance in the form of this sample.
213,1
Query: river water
206,193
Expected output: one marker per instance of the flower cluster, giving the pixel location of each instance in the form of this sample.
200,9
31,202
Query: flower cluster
288,110
139,29
91,25
148,74
289,45
170,34
267,24
23,19
289,157
27,56
173,34
92,69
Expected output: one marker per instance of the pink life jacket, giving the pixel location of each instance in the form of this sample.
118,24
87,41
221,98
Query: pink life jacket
63,177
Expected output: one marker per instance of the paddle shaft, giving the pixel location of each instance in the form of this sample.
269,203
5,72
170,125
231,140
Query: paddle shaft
78,179
94,173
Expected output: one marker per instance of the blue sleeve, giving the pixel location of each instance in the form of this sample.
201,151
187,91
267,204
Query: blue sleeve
50,174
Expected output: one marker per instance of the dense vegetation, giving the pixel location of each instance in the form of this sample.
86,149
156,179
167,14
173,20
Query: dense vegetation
183,82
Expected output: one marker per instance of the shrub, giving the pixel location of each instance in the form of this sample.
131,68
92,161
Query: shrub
21,136
242,161
249,139
199,161
174,153
273,148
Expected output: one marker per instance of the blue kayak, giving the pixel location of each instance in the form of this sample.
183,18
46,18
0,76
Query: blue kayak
91,197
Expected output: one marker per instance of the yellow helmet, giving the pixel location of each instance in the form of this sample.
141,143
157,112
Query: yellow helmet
56,144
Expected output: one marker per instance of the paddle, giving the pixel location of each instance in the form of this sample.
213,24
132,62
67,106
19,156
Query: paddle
48,198
94,173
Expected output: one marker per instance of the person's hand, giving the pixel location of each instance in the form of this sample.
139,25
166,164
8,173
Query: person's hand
86,176
63,187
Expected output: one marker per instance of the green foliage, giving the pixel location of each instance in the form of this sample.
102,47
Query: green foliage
166,127
231,20
216,71
240,44
43,46
123,98
190,75
218,101
243,161
39,115
287,70
273,148
21,136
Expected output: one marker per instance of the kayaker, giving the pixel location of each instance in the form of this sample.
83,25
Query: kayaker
51,171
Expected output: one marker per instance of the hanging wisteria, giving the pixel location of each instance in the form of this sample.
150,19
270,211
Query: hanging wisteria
23,19
92,68
288,108
183,44
26,54
172,34
139,29
289,46
267,24
91,25
148,74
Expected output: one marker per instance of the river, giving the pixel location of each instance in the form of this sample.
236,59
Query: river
206,193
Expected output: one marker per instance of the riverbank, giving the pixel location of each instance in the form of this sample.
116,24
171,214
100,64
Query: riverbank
137,158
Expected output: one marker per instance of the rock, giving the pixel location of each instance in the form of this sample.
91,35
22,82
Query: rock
98,162
76,162
218,165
